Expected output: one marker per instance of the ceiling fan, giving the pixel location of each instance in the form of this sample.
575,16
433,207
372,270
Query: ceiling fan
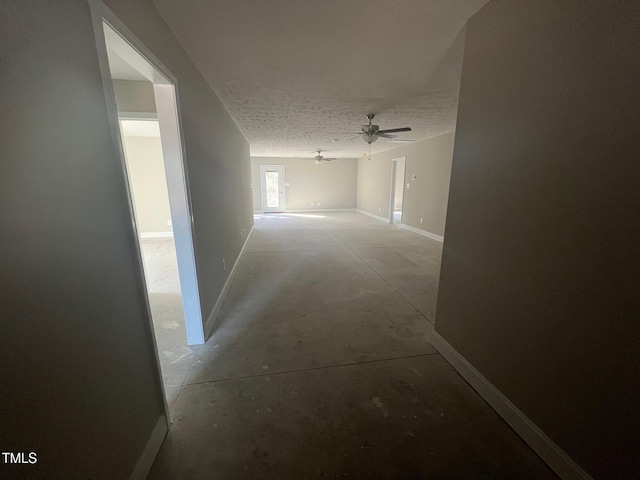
370,133
319,158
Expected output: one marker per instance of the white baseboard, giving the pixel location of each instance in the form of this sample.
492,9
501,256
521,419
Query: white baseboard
156,234
211,322
151,449
424,233
373,215
551,453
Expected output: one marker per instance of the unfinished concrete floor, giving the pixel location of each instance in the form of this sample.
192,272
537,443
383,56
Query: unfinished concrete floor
165,299
321,367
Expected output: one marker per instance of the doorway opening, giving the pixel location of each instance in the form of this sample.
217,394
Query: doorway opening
145,109
397,190
272,188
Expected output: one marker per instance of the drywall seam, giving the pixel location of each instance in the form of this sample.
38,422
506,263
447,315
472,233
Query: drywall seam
211,321
156,234
424,233
151,449
373,215
551,453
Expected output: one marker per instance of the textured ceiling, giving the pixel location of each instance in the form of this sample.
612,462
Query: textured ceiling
302,74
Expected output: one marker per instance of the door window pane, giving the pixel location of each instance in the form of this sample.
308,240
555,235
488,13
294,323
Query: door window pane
273,190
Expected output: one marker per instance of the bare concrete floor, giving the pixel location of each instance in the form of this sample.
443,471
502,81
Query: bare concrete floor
165,299
321,367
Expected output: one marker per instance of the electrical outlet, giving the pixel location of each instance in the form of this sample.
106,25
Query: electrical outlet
312,204
408,185
169,222
224,265
379,209
420,219
318,204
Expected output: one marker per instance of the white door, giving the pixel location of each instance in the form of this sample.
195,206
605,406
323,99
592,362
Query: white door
272,186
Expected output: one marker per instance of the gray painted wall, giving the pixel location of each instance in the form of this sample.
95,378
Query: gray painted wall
430,161
78,381
539,287
134,96
332,184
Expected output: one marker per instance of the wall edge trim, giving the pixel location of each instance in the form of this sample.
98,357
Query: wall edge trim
424,233
563,465
373,215
151,449
211,322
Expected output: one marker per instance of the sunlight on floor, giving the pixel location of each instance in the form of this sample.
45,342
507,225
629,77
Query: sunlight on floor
287,215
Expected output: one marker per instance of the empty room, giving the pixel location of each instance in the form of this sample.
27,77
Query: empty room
296,239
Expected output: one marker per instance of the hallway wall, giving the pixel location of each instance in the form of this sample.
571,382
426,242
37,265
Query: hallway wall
539,285
430,161
332,185
79,377
134,96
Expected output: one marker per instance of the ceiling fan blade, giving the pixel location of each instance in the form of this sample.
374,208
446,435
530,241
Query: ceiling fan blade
386,135
328,159
392,130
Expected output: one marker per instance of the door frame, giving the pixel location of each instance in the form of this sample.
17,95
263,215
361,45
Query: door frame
166,87
263,189
392,195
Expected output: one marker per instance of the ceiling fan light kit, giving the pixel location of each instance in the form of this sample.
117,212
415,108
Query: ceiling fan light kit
371,133
320,159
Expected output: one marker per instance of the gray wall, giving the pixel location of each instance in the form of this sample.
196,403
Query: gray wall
430,161
134,96
78,370
332,184
539,284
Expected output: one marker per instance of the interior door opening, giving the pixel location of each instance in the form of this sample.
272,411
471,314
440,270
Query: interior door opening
397,190
272,188
151,146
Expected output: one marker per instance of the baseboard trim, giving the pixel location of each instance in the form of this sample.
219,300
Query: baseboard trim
373,215
424,233
211,322
151,449
156,234
546,448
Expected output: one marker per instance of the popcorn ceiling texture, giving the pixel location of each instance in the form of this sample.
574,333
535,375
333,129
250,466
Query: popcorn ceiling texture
297,75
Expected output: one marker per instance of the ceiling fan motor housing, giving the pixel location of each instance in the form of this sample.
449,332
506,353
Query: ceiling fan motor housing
370,133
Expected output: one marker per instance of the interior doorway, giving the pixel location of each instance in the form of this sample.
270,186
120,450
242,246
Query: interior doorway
272,188
143,109
396,200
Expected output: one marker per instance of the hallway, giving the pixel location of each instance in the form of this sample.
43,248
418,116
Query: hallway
321,367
